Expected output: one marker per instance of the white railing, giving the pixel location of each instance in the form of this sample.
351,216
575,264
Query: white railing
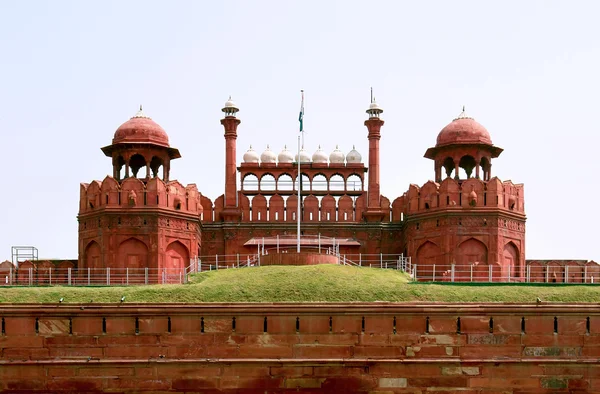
94,276
573,274
43,276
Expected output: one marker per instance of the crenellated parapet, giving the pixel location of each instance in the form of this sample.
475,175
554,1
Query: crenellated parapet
469,195
276,208
135,194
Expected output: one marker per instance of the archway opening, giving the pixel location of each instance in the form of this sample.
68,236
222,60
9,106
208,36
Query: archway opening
156,166
137,162
250,182
336,183
319,182
354,183
285,182
449,166
467,164
267,182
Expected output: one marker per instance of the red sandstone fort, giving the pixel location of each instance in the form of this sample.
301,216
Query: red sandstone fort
140,218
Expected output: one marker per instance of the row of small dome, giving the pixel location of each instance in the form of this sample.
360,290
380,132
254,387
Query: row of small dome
319,157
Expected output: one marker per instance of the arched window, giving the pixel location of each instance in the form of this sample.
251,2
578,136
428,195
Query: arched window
466,164
250,182
319,182
267,182
305,183
284,182
448,166
354,183
137,162
156,166
336,183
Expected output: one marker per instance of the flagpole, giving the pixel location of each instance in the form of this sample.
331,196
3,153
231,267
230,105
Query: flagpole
301,136
299,200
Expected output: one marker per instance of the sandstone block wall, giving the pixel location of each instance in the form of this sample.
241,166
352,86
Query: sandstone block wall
308,348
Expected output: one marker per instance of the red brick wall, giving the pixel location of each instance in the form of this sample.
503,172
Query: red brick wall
307,348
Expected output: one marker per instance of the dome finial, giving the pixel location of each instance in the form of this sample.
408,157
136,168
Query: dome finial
140,114
463,114
374,110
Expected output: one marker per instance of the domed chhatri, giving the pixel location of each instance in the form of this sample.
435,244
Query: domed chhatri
140,129
337,156
304,156
285,156
463,130
268,156
230,109
251,156
353,157
320,157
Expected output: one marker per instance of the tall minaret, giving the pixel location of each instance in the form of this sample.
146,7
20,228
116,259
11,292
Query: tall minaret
230,123
374,123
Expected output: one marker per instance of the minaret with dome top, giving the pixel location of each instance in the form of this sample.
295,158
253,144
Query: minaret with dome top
373,213
230,123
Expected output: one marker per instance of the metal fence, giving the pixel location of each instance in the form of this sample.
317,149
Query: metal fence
93,276
589,273
146,276
379,260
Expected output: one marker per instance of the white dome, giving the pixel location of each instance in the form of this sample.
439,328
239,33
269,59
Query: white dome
251,156
337,156
230,108
375,106
268,156
320,156
304,156
285,156
353,156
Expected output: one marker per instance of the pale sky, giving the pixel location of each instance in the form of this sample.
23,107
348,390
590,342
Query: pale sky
72,71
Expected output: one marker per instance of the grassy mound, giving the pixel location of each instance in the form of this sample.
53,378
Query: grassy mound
332,283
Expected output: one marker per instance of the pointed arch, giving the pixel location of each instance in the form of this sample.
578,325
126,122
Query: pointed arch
285,182
92,256
472,251
133,254
511,263
177,257
429,260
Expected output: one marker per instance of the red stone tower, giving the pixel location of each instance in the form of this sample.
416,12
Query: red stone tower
467,219
134,219
230,122
374,213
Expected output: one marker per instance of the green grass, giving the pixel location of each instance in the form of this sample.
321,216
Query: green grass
331,283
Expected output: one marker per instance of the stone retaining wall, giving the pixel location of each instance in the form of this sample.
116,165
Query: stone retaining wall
307,348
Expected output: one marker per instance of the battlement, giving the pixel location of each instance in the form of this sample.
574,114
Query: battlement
450,194
133,193
283,208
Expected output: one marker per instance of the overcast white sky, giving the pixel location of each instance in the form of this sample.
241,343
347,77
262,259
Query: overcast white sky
72,71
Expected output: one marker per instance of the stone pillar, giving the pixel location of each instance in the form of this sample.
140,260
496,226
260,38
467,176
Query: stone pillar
374,126
230,123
